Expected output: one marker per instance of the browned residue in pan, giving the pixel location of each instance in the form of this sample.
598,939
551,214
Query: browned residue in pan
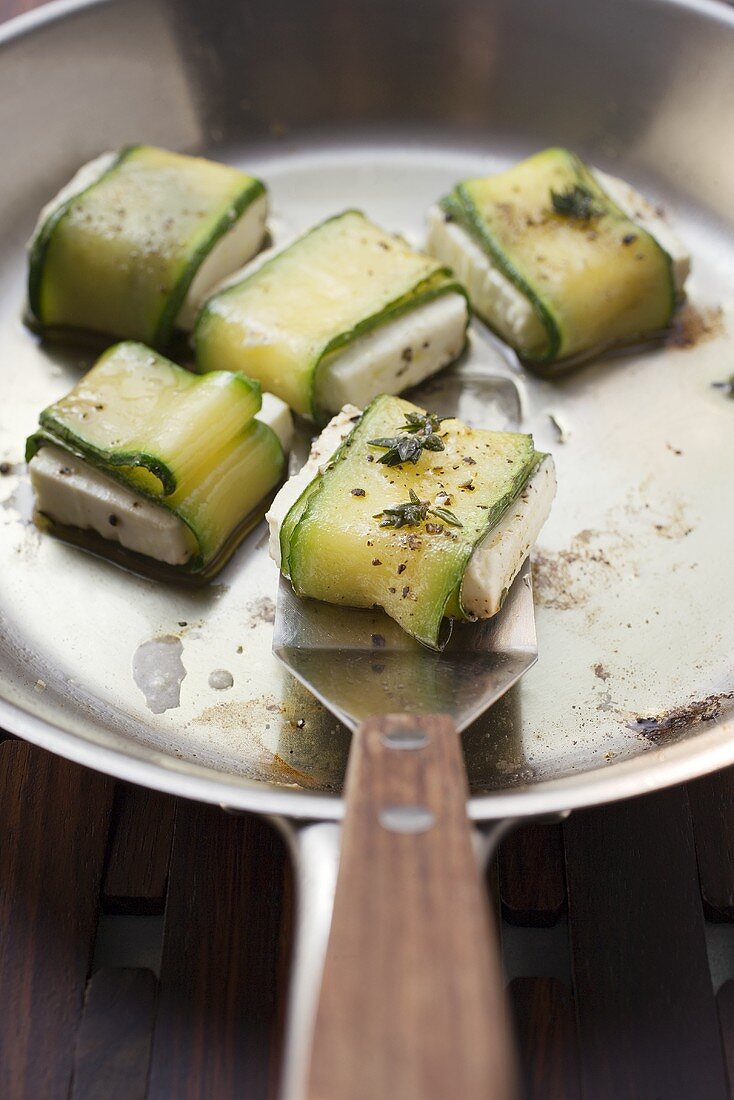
283,772
659,727
693,326
260,611
567,578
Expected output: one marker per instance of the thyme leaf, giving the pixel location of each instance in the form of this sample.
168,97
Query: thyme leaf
418,433
413,512
398,449
577,202
446,515
423,422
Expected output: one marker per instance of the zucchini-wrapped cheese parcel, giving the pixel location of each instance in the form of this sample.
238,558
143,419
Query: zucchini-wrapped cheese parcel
424,517
561,260
152,466
344,313
138,238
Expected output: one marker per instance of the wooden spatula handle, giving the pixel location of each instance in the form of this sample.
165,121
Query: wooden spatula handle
412,1004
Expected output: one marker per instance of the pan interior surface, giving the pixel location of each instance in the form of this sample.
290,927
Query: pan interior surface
632,574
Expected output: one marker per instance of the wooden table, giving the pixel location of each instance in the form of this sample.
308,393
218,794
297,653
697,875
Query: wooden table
144,941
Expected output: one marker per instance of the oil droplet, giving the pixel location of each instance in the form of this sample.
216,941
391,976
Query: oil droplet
158,671
220,679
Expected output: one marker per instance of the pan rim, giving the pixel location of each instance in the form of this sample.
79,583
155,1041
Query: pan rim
651,770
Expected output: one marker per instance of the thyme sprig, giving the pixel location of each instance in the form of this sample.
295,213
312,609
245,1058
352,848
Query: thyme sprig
413,512
577,202
418,433
423,422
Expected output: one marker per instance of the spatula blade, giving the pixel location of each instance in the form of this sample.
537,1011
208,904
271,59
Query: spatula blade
359,663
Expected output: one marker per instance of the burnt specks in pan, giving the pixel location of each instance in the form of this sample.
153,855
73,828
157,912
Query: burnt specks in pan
378,641
261,611
657,727
358,492
692,326
629,238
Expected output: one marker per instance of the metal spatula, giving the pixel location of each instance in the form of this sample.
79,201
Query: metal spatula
411,1002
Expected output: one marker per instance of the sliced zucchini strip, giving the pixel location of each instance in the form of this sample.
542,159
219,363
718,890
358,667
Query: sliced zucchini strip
118,257
341,280
190,444
336,546
593,276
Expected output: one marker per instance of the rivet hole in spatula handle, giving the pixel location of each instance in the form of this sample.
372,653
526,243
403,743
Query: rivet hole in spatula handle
412,1003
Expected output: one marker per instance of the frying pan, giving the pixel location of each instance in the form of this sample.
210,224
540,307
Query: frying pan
384,106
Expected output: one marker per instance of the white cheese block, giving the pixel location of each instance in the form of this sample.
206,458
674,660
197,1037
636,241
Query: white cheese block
394,356
238,244
276,414
72,493
491,293
241,241
497,299
497,559
495,562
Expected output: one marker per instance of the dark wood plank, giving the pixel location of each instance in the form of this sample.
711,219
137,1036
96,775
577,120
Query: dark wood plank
286,931
54,819
532,875
545,1024
139,853
712,808
114,1037
216,1025
646,1011
725,1006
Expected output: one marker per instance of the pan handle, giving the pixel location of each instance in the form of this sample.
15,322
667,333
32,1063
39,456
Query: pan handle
412,1002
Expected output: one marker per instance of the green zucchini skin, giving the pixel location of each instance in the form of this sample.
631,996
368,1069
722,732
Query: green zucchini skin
335,548
215,347
237,192
461,206
190,444
41,241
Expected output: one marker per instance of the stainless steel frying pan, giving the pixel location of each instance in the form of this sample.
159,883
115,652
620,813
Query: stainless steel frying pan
383,105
